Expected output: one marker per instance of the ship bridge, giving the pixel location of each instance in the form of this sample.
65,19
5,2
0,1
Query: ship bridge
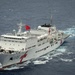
11,42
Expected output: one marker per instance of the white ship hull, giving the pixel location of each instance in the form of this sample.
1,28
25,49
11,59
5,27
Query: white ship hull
31,54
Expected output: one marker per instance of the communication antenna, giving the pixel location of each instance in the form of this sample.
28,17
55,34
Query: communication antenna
20,25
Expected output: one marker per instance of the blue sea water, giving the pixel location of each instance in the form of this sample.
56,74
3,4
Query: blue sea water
34,13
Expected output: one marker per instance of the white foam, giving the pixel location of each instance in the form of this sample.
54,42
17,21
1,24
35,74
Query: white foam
70,31
46,57
54,55
11,68
61,49
40,62
24,64
66,60
69,53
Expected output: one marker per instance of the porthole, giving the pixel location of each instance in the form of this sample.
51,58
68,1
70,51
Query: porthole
11,58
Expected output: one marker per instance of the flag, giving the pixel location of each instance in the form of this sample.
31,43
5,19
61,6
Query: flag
27,27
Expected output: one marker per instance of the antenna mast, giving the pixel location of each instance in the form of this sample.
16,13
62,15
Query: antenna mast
51,20
20,27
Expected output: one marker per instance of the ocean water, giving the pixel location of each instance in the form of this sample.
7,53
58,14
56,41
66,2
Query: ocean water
34,13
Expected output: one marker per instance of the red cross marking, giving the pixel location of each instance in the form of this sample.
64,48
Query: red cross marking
22,57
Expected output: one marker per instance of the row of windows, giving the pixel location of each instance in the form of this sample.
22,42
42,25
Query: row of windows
42,49
53,43
30,47
42,39
13,41
43,43
14,38
12,44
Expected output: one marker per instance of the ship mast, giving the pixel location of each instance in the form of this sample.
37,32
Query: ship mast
20,27
50,23
51,20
